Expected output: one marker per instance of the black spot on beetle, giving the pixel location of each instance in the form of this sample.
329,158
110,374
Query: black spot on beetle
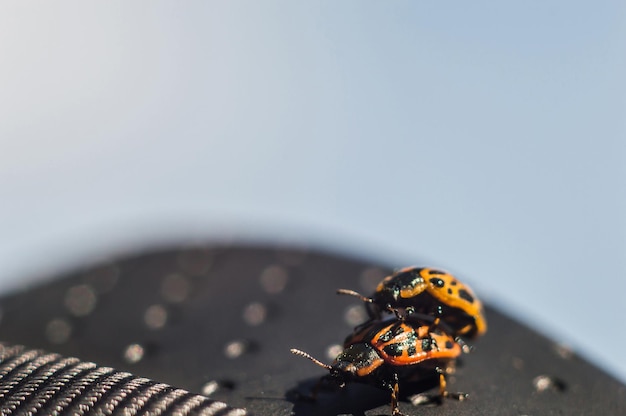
464,294
454,283
449,345
407,279
391,333
395,350
411,350
437,282
429,344
449,291
386,337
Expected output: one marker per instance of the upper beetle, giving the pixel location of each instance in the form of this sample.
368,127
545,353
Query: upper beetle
383,353
428,291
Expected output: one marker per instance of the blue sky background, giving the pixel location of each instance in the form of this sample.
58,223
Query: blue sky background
486,138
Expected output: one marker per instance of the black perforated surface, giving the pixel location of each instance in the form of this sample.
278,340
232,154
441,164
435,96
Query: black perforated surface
233,313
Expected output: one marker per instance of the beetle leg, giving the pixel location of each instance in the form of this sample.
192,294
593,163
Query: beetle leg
432,327
437,319
396,312
437,323
464,347
395,391
443,392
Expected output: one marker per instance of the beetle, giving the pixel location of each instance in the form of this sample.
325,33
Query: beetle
385,353
427,292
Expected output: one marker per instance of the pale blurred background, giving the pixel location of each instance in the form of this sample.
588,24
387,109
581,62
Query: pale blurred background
485,138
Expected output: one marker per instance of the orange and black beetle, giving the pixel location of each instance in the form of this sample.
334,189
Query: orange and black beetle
424,291
386,352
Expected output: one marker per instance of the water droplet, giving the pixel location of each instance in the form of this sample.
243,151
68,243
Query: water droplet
133,353
254,314
274,279
355,315
155,317
58,331
80,300
175,288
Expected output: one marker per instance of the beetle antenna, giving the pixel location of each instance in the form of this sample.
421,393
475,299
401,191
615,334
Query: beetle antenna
355,294
305,355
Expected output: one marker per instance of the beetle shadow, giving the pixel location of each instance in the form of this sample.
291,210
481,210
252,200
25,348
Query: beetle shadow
353,399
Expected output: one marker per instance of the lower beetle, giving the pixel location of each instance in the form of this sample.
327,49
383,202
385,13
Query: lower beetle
387,352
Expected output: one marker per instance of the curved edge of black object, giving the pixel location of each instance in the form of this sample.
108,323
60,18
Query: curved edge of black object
34,381
513,370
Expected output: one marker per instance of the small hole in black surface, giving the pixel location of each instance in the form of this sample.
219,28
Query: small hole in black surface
213,386
274,279
228,384
255,313
295,256
238,347
544,383
103,278
195,261
136,352
564,351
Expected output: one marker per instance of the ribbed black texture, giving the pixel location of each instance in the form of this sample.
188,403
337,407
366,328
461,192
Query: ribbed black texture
36,382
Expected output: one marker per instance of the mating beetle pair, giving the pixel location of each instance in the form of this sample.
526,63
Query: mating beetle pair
432,309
